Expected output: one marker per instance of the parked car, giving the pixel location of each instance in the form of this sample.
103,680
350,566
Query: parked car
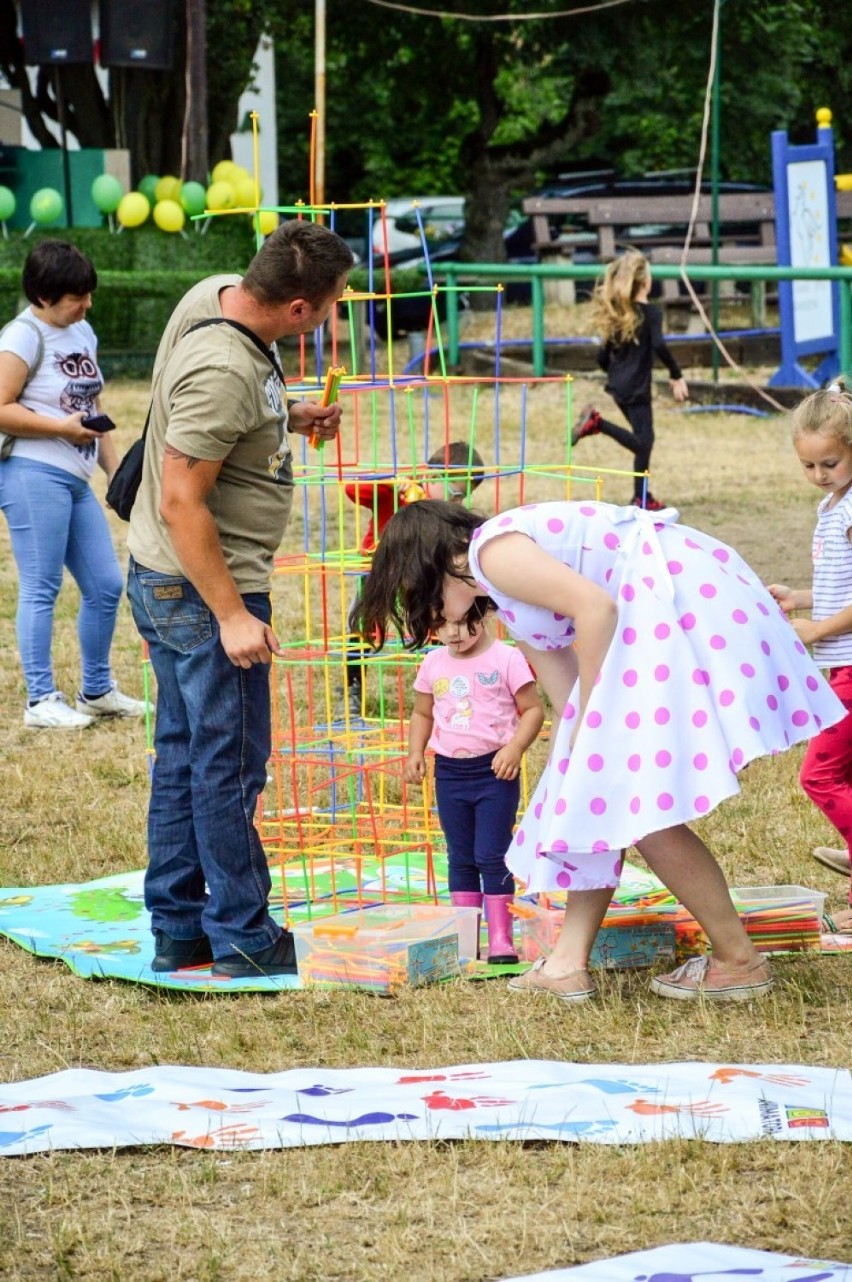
412,314
442,217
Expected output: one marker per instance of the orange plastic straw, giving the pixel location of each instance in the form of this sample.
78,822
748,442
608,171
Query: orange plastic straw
329,396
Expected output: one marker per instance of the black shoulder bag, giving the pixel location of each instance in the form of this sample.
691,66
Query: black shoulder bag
124,486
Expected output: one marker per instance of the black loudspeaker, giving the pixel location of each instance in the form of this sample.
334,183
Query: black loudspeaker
55,33
137,33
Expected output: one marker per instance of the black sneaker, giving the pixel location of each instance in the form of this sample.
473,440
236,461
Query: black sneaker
177,954
278,959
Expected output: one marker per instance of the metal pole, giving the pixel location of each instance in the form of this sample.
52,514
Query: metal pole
845,344
537,289
319,98
715,136
66,169
452,298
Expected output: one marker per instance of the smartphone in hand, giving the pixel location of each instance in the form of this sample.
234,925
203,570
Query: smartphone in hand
98,422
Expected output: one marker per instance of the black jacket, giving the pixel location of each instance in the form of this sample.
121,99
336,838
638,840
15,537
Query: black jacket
628,365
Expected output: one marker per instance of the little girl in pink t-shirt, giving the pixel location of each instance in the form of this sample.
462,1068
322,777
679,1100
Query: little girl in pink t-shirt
477,706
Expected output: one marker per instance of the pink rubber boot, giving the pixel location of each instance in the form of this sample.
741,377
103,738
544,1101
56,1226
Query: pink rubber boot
467,899
501,950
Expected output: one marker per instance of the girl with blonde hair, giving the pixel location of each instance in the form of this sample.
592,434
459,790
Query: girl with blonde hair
631,331
822,438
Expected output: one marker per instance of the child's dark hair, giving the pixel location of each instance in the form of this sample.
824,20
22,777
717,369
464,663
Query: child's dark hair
460,462
54,268
421,545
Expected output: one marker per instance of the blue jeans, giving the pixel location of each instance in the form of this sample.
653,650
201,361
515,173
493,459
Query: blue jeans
55,520
477,813
212,743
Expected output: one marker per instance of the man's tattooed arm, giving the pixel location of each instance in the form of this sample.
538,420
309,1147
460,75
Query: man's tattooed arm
179,454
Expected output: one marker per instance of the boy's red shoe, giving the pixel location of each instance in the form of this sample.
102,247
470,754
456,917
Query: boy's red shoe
648,502
588,424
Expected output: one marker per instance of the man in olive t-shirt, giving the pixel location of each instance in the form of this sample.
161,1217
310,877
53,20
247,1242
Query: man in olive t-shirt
212,508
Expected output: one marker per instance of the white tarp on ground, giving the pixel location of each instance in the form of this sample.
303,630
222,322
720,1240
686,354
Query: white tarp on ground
216,1108
698,1262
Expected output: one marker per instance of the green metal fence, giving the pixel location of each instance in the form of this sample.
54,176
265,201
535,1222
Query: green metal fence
456,275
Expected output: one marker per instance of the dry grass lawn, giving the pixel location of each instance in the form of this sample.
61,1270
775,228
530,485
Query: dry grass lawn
73,809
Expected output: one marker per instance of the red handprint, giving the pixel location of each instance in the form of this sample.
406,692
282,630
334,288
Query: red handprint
439,1099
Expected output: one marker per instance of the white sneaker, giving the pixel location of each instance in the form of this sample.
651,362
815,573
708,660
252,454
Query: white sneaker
53,713
112,704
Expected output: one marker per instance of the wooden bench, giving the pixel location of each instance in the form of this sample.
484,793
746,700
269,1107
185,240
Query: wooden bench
727,255
659,223
615,221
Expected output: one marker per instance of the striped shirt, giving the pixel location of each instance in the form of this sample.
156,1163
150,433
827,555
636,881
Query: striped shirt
832,556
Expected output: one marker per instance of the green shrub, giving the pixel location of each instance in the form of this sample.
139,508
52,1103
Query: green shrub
143,273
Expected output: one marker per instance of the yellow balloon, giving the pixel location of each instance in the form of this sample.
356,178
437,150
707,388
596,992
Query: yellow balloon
220,195
267,221
243,190
133,209
224,171
846,255
169,215
168,188
843,182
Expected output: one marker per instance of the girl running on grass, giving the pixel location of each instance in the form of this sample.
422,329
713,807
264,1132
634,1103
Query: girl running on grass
822,438
631,331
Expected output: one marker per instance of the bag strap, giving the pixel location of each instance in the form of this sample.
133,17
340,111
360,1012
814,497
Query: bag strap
202,324
36,365
249,333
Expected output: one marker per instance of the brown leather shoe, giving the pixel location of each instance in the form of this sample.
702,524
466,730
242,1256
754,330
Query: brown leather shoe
574,986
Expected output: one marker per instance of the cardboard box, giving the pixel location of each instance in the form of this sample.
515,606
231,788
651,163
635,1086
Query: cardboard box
387,946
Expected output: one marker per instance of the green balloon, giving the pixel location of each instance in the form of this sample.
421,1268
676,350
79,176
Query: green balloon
106,193
7,204
46,206
148,187
193,197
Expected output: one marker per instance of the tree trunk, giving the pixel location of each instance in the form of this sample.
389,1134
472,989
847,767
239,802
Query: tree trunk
195,159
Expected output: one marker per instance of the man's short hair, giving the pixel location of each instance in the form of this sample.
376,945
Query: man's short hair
299,260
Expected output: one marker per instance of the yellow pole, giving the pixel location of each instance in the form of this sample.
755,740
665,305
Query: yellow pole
319,99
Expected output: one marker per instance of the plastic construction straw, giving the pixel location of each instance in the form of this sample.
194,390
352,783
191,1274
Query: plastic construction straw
329,396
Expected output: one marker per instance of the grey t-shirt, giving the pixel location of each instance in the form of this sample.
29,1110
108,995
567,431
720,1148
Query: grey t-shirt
216,396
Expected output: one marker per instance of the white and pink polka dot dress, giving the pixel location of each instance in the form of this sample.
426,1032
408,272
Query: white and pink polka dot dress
704,674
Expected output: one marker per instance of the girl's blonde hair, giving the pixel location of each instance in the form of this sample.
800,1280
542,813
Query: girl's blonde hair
614,301
825,413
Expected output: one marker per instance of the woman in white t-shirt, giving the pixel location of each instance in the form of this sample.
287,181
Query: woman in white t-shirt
49,383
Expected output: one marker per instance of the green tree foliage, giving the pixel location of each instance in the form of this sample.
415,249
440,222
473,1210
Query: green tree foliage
418,104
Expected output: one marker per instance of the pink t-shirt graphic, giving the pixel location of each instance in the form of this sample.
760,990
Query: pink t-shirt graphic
474,698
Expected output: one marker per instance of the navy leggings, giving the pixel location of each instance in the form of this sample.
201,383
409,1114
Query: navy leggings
640,441
477,812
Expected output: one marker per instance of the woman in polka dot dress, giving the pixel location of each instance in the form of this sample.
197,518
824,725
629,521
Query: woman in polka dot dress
671,667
